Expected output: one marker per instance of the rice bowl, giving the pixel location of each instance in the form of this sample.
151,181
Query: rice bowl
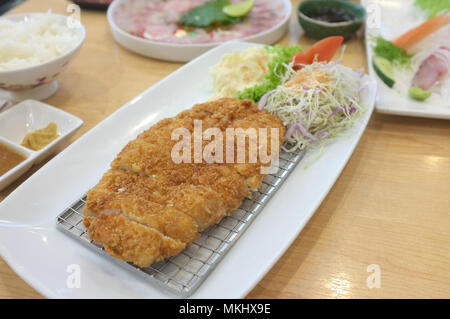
30,63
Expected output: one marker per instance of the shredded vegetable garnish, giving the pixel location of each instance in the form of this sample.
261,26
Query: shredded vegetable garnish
317,103
277,69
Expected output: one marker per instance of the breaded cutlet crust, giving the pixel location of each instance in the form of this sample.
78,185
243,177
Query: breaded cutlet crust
146,196
130,241
150,152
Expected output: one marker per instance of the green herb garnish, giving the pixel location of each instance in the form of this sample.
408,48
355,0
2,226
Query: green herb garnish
391,52
433,7
208,15
277,68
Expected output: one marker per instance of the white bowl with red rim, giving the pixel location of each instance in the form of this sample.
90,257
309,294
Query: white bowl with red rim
38,81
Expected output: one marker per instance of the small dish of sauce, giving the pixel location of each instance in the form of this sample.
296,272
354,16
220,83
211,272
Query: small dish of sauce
332,15
324,18
9,158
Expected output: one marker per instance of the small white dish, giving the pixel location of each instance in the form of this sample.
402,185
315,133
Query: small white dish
29,116
38,82
186,52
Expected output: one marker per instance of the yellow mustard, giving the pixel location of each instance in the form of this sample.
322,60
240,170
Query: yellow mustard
40,138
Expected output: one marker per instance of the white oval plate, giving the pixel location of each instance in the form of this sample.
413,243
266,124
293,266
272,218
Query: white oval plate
45,257
186,52
397,17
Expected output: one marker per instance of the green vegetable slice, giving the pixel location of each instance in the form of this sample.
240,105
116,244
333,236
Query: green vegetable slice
391,52
239,9
418,94
277,69
384,70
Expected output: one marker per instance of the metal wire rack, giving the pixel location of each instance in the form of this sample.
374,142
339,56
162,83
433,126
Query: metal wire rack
183,274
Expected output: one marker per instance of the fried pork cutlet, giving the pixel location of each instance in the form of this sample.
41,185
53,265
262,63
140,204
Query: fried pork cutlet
151,151
130,241
141,199
210,194
176,210
148,207
252,171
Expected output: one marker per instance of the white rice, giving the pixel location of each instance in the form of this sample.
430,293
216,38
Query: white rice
39,39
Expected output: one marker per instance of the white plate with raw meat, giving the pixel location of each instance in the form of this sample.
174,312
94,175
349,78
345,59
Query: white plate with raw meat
46,257
153,28
425,38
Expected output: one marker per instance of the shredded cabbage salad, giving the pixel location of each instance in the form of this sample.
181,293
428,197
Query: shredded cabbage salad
316,104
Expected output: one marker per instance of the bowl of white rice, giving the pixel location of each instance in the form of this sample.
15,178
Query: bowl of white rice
34,49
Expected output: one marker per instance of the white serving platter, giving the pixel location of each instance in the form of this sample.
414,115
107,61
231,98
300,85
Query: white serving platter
186,52
47,258
26,117
397,17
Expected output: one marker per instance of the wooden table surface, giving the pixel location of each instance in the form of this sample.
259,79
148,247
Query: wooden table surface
390,207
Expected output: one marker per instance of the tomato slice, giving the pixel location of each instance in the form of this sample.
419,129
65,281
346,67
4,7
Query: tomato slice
300,59
322,50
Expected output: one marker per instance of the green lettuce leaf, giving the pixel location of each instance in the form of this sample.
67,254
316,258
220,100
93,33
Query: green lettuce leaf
391,52
433,7
277,68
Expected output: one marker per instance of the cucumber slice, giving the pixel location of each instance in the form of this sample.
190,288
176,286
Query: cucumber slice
384,70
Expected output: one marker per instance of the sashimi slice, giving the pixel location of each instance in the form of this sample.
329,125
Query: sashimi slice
433,69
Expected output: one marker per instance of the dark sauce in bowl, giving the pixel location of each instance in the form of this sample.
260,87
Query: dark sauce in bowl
332,15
